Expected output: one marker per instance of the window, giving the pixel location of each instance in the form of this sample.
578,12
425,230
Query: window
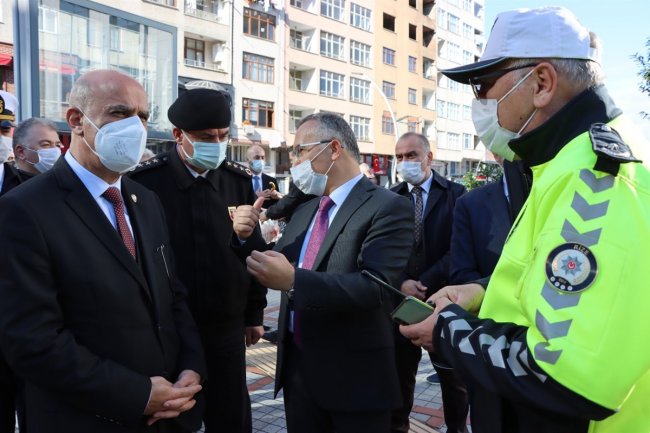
442,19
258,68
258,113
360,17
359,90
48,20
332,9
164,2
331,84
467,5
450,51
361,127
387,126
453,25
389,22
468,31
259,24
294,119
295,80
413,3
468,141
331,45
296,39
413,96
427,36
453,85
388,56
427,68
194,52
413,31
467,112
115,35
441,108
468,57
359,53
412,125
441,140
389,89
453,141
413,64
453,111
296,3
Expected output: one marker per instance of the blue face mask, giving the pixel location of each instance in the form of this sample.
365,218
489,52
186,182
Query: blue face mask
257,165
207,156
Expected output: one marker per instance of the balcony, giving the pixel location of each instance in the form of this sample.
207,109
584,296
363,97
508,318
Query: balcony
209,10
203,65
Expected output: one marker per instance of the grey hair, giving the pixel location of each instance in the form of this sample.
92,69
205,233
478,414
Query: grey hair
334,126
22,130
582,74
424,141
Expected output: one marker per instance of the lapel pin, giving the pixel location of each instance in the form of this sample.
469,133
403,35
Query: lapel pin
134,198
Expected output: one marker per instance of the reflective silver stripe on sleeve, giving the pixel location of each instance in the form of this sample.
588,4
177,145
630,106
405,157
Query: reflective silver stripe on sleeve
588,211
551,330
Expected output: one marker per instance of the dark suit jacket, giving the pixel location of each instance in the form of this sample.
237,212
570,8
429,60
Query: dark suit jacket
285,207
13,177
429,260
481,224
347,335
83,323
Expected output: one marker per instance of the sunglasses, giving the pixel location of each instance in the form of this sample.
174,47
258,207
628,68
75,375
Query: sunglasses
481,84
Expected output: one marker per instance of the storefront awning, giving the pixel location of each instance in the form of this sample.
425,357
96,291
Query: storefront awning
5,59
48,65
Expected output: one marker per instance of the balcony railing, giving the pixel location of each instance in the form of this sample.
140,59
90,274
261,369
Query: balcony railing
201,13
201,64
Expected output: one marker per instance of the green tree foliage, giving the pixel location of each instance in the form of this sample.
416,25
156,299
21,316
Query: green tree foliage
644,72
484,174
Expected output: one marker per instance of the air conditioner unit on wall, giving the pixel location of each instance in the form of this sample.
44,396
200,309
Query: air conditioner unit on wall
249,129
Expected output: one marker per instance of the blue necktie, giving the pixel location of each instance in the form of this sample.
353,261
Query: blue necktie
257,185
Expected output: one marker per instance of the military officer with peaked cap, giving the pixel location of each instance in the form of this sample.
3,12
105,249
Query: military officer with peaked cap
199,188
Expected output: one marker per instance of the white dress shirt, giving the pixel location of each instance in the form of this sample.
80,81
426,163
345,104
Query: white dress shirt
426,187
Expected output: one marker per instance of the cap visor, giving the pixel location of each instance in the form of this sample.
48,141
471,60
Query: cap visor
464,73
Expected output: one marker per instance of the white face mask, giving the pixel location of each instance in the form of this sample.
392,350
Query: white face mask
486,121
46,158
411,171
207,156
119,145
307,180
5,148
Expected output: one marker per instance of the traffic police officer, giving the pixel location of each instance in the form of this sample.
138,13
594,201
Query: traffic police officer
559,344
199,188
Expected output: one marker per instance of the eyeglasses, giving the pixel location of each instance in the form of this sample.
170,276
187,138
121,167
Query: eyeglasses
481,85
298,149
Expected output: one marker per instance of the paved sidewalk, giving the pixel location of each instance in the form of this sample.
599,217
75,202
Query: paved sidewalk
268,413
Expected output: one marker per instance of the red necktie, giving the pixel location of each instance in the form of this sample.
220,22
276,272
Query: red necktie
318,233
113,195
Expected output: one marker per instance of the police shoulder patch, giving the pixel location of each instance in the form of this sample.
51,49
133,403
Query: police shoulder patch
607,142
156,161
236,168
571,268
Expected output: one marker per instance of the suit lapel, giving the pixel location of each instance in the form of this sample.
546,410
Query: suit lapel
359,194
83,204
291,242
435,193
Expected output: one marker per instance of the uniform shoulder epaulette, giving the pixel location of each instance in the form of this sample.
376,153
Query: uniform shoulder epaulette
610,148
236,167
156,161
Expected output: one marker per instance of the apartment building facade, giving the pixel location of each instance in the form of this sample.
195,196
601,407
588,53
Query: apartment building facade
459,40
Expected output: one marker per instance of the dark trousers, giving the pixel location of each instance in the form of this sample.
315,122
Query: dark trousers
304,415
454,395
227,403
10,400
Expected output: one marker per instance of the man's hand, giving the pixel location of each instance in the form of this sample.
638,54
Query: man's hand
253,334
421,334
414,288
266,194
276,195
169,400
271,269
468,296
246,218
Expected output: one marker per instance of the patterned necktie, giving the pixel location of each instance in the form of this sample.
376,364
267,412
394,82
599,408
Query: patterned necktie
417,192
318,233
113,195
257,185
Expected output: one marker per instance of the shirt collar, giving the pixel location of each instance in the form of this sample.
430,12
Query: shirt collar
95,185
339,195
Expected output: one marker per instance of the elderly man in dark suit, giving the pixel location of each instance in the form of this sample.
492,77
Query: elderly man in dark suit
92,316
427,271
335,349
263,184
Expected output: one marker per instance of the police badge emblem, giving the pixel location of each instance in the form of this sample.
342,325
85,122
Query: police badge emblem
571,268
